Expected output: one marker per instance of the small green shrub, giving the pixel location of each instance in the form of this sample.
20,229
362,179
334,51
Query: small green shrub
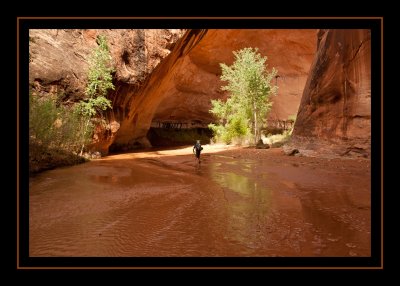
55,125
235,129
42,116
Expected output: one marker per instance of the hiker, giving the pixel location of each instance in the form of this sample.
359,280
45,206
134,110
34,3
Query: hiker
197,147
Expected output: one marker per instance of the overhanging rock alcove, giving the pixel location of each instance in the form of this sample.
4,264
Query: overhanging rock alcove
178,92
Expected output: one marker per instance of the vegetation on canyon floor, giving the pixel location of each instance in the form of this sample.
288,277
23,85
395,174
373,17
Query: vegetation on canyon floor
56,130
249,87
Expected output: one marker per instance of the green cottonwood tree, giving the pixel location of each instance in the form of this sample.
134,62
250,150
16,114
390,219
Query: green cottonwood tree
99,82
249,86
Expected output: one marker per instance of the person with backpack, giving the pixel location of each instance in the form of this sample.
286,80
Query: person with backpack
197,150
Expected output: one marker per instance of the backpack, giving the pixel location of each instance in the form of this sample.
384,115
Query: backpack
198,147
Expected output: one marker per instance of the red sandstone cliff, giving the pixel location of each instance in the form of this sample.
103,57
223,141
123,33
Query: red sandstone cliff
59,63
197,76
163,75
181,88
58,58
335,110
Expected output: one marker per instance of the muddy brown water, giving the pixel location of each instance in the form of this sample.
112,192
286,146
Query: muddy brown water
160,203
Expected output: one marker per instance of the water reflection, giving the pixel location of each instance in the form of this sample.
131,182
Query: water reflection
248,204
167,207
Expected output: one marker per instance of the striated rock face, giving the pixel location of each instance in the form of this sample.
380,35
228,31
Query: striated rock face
59,58
135,106
59,63
335,111
182,86
197,81
170,75
165,75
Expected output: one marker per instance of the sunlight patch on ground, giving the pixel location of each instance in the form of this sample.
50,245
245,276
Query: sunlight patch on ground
208,149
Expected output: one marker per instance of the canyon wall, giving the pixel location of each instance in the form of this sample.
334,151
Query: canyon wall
165,75
58,65
335,111
181,88
59,58
196,79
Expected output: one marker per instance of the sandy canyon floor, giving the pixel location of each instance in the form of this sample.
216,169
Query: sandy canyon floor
238,202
